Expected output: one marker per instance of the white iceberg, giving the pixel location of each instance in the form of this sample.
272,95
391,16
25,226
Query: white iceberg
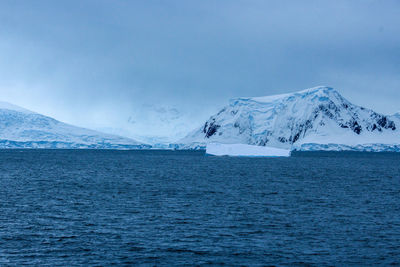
243,150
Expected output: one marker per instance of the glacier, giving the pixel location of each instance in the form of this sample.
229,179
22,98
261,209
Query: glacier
22,128
318,118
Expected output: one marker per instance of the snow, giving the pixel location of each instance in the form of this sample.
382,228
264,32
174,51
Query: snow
273,98
156,124
317,118
218,149
21,128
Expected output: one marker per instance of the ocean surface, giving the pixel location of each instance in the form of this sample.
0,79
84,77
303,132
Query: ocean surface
164,208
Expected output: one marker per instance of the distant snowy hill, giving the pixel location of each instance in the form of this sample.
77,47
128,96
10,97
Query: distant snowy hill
21,128
314,119
157,124
154,124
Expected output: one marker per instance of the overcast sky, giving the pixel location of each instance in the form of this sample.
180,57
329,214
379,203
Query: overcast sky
99,63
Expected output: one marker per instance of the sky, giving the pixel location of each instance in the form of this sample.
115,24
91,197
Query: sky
161,68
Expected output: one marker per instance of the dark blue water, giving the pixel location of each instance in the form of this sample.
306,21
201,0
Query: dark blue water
61,207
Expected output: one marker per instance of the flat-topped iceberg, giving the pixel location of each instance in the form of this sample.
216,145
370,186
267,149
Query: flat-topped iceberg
243,150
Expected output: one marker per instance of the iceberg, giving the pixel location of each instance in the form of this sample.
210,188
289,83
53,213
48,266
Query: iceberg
243,150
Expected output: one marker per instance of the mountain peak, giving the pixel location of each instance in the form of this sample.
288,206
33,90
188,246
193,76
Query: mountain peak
320,91
317,90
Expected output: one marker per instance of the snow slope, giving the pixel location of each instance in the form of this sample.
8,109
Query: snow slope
21,128
314,119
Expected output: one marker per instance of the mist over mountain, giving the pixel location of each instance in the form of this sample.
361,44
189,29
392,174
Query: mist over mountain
154,124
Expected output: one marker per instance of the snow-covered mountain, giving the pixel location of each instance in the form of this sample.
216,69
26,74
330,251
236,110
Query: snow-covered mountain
21,128
314,119
155,124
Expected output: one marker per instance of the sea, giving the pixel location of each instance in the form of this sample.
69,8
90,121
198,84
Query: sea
185,208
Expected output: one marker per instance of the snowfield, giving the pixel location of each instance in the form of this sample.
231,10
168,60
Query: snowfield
243,150
314,119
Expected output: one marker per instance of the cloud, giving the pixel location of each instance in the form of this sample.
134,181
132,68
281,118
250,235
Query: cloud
98,62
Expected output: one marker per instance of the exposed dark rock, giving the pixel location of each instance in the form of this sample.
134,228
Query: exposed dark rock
205,127
392,125
263,142
212,129
295,138
282,139
382,121
221,111
356,127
